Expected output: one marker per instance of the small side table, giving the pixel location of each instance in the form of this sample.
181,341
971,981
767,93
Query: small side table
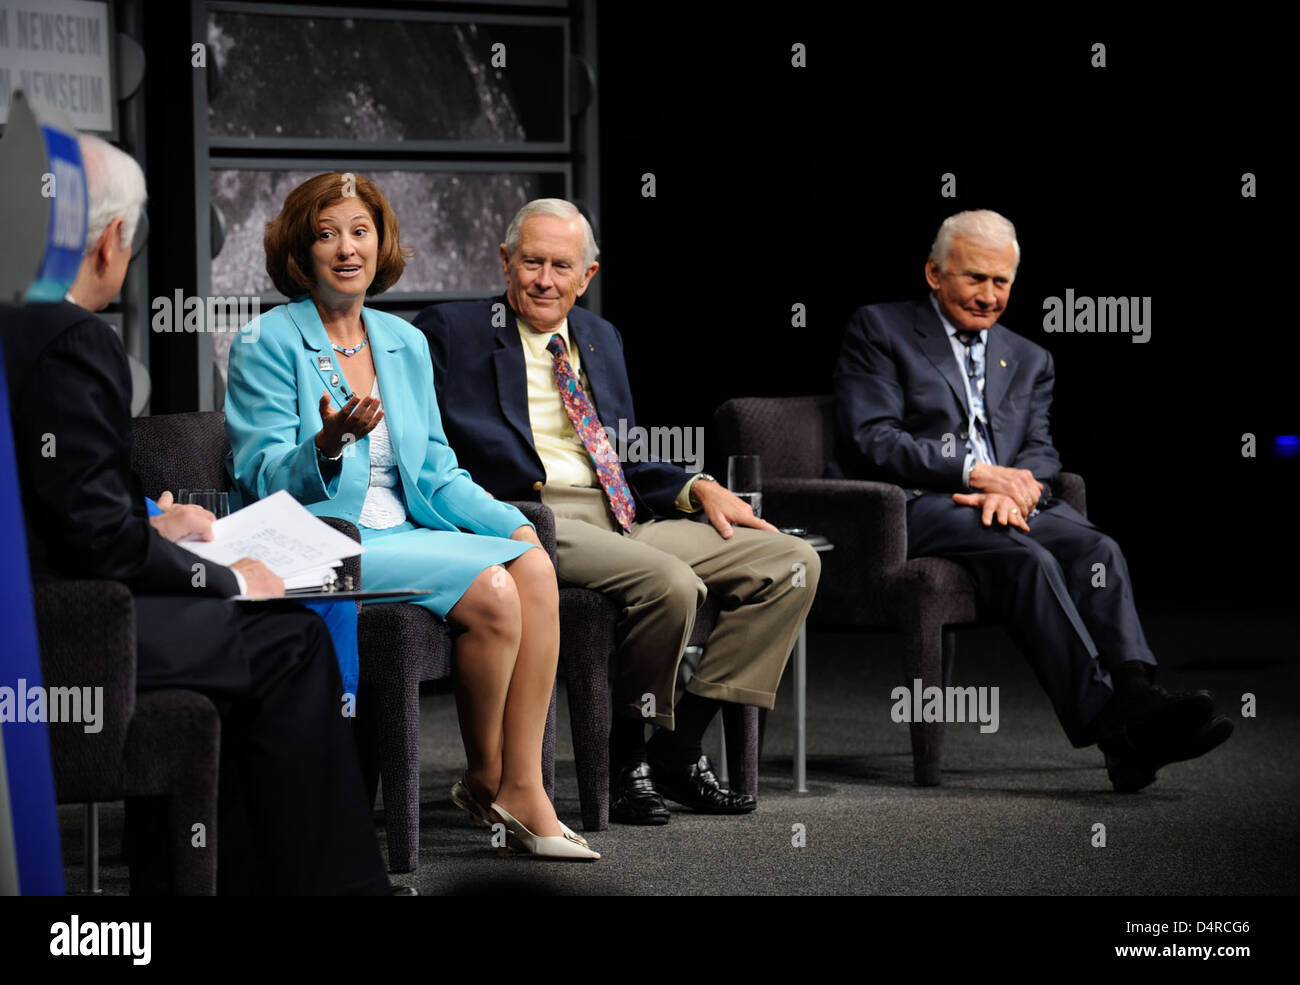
800,660
821,545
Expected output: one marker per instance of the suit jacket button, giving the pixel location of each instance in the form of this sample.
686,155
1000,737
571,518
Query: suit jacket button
537,486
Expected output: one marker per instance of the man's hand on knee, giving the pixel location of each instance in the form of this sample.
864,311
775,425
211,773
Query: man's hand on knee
994,505
723,508
1017,484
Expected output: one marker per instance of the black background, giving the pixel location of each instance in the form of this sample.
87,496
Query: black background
821,185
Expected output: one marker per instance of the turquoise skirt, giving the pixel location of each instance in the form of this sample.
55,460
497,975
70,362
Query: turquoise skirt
445,562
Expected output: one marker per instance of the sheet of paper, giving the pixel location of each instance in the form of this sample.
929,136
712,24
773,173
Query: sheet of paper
278,531
313,577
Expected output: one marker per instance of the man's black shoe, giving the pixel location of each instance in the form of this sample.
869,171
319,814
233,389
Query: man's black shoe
1134,756
1144,727
694,785
1140,708
1132,764
633,798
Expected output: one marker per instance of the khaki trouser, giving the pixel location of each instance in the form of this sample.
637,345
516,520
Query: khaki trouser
660,573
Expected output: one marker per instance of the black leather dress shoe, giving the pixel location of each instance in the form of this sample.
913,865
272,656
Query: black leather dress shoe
1160,729
633,798
396,890
1133,767
695,785
1144,709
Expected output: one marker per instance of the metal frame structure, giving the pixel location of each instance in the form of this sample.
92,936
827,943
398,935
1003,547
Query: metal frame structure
575,157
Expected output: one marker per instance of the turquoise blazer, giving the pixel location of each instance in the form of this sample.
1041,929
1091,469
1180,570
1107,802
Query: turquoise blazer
273,415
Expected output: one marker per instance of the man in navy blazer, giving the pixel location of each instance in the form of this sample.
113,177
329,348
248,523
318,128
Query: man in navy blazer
534,396
941,399
293,815
484,388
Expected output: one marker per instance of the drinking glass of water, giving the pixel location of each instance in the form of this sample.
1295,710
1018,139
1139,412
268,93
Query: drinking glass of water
214,501
745,479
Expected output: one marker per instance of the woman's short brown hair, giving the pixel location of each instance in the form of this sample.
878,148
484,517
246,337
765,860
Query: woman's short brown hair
290,235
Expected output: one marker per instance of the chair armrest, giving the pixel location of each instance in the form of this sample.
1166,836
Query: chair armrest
543,519
866,520
351,565
1070,488
87,636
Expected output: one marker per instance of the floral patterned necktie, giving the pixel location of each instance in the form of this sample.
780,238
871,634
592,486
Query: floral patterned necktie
582,413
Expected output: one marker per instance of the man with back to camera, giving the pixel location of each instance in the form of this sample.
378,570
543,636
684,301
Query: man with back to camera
530,387
293,817
910,378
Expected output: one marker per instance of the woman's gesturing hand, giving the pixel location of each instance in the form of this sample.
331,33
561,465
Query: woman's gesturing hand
352,422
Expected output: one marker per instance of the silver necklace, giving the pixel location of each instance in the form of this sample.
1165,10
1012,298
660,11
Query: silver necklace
353,350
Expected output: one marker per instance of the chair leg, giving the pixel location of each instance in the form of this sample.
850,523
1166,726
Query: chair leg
799,672
548,746
589,715
923,649
92,849
365,731
193,801
949,654
740,726
399,770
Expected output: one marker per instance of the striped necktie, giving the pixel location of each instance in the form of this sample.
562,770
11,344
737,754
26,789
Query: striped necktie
974,344
582,413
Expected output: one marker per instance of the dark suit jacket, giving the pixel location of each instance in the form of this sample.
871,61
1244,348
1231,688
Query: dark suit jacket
478,369
85,509
70,397
899,391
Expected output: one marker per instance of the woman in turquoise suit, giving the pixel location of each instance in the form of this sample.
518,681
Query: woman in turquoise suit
306,413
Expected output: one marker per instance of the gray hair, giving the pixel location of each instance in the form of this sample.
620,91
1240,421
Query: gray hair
114,188
981,226
563,210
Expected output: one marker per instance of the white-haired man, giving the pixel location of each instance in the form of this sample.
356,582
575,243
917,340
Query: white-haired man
293,812
941,399
530,387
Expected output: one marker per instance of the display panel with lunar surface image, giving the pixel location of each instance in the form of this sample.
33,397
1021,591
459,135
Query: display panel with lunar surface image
453,220
388,81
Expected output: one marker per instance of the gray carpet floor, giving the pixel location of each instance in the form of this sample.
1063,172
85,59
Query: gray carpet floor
1017,812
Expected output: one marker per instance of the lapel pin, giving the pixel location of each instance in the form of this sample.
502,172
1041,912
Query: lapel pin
323,363
590,347
1002,363
334,380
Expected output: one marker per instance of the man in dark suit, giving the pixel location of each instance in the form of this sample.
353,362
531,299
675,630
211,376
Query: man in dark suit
941,399
534,396
293,813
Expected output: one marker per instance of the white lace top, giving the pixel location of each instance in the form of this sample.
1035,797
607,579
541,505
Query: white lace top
383,506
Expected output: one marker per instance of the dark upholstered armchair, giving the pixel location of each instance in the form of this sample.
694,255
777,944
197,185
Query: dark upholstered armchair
867,581
156,744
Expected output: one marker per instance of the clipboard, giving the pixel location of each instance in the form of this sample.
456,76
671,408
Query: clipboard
318,595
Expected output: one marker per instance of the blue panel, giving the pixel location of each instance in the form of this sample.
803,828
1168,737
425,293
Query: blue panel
26,744
66,239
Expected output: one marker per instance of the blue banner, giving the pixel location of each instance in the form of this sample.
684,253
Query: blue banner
65,184
25,752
